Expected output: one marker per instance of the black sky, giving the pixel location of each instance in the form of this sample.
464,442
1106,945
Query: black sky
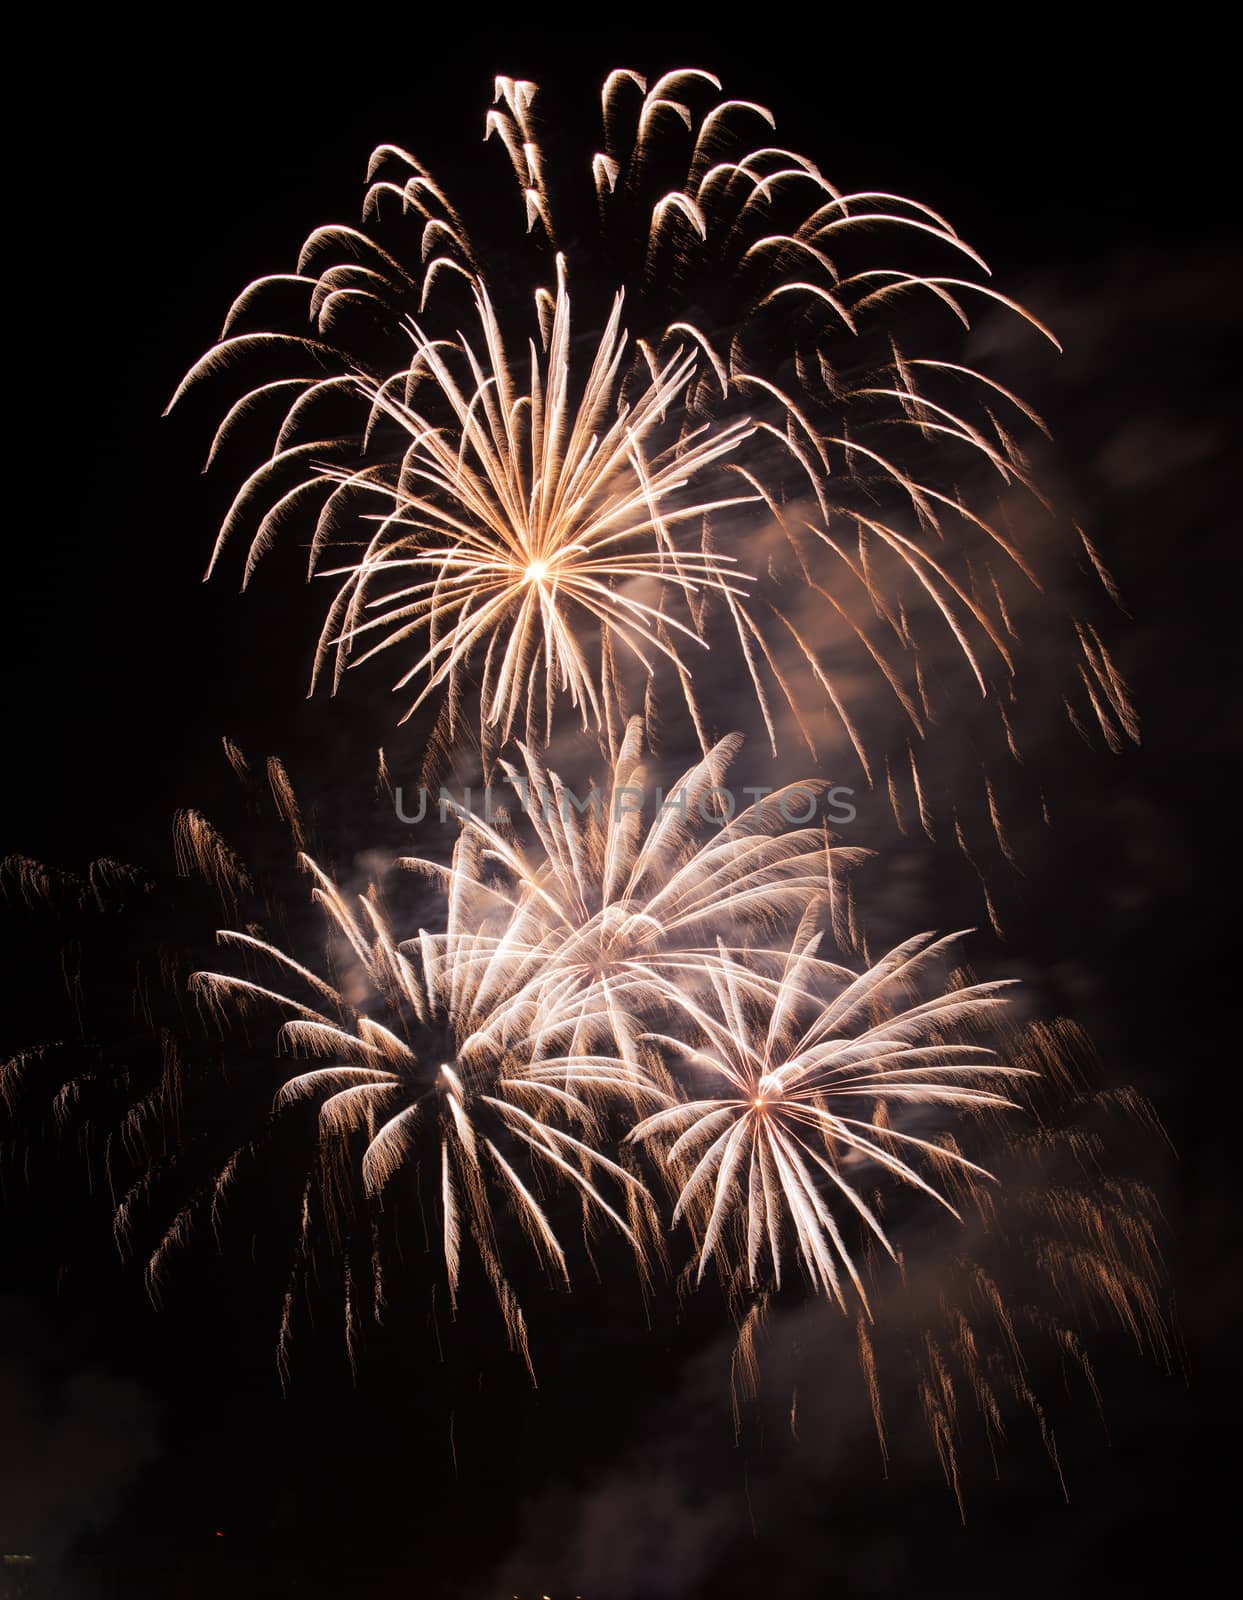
156,177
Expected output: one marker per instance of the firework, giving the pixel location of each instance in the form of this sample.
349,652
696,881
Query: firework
769,480
801,1089
450,1057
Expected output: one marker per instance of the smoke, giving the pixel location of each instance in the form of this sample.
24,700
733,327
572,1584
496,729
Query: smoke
75,1442
713,1487
1143,461
653,1522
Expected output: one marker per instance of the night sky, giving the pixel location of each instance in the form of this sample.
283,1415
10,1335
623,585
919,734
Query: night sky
148,1452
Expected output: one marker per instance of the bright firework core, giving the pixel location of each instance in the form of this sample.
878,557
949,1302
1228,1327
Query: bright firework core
537,572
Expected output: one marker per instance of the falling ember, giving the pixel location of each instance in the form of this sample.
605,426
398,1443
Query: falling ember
867,1361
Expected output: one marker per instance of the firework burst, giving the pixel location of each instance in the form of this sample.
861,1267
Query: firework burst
801,1089
451,1062
770,480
